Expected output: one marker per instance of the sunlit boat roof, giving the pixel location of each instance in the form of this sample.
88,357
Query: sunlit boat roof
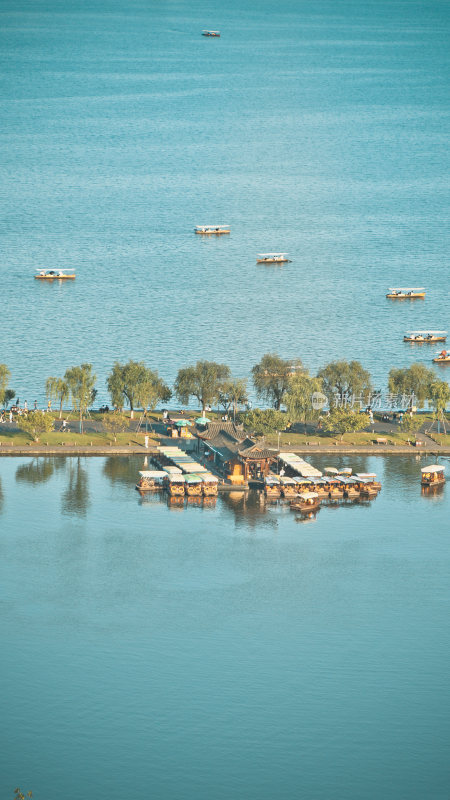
406,289
272,254
433,468
424,333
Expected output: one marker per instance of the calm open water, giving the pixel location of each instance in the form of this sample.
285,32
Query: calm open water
221,652
315,127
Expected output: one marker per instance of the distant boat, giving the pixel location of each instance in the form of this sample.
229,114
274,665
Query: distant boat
408,293
272,258
442,358
433,475
420,337
55,275
211,33
209,229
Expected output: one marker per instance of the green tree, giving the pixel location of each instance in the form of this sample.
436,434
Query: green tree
264,421
57,389
439,396
4,380
415,379
137,385
115,423
344,420
204,382
9,394
81,383
410,423
271,378
346,379
233,394
35,423
298,398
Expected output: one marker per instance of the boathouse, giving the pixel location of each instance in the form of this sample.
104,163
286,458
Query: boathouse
238,457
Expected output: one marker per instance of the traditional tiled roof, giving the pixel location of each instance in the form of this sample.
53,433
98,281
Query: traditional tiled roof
229,429
256,453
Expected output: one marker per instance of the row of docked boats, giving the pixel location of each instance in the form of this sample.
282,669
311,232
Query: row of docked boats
334,485
179,474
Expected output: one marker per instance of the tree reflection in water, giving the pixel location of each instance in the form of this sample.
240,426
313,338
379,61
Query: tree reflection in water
122,470
249,508
39,470
75,499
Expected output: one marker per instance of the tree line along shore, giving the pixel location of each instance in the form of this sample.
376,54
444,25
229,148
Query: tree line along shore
335,402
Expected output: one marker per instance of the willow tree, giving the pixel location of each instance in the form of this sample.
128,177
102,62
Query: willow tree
344,420
439,396
204,382
345,380
81,383
5,394
233,394
299,397
35,423
134,383
271,378
414,380
57,389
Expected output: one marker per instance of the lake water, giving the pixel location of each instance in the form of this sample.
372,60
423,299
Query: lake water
228,651
315,127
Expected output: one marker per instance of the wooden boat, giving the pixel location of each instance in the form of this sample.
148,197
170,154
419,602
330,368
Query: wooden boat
288,487
55,275
351,488
321,486
371,478
305,502
433,475
218,230
442,358
407,293
216,34
151,480
272,258
193,485
272,487
425,337
175,485
209,485
336,489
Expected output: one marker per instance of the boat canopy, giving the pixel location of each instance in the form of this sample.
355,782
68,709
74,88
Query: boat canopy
206,31
425,333
331,470
191,478
406,289
366,475
208,478
272,479
173,470
210,227
285,481
176,478
264,255
308,495
345,471
152,473
433,468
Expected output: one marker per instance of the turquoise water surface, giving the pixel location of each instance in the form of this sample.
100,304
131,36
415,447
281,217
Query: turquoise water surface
311,126
220,652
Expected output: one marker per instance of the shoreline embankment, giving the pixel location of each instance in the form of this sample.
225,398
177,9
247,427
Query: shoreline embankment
127,450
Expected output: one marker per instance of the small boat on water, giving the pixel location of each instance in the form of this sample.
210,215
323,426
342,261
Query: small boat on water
209,484
211,33
272,487
420,337
193,485
207,230
151,480
305,502
272,258
407,293
55,275
176,485
433,475
442,358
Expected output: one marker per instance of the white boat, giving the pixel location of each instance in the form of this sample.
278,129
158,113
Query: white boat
55,275
211,33
407,293
218,230
272,258
433,475
420,337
